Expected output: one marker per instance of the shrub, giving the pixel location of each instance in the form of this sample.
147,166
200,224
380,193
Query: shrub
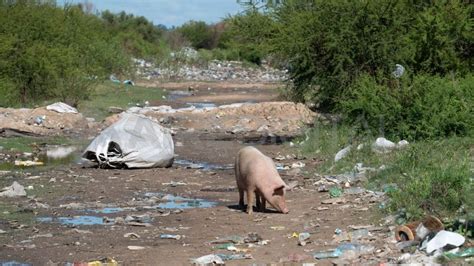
422,107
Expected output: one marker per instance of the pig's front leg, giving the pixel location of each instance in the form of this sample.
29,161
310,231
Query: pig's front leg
250,196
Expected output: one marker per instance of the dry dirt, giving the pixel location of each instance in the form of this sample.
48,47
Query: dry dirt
41,242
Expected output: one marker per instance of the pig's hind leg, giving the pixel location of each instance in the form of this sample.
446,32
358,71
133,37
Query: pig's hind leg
250,196
241,198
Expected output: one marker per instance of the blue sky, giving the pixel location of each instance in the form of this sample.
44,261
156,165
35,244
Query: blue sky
169,12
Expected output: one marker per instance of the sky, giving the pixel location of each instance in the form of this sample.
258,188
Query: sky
169,12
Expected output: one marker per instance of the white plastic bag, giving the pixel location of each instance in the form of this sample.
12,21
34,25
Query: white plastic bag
132,142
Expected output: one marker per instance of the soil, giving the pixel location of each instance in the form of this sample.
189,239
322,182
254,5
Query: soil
69,185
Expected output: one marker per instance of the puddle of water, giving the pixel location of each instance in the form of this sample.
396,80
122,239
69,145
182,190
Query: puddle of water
174,95
75,220
178,202
14,263
108,210
202,105
202,165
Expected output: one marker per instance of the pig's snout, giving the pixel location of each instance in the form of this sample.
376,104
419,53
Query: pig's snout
285,211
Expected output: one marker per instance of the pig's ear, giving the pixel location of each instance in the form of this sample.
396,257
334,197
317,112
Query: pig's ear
279,191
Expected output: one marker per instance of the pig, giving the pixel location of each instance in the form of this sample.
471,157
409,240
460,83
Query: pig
256,173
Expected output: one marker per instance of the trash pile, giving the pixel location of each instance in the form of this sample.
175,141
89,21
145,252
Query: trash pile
427,240
381,146
215,70
55,119
233,244
280,118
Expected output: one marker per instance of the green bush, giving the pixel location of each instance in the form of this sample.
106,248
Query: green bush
422,107
48,52
329,44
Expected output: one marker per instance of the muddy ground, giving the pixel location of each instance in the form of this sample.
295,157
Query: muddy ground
39,229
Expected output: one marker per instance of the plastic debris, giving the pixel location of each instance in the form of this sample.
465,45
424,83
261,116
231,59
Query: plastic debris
15,190
338,231
277,228
419,229
134,142
114,79
134,248
28,163
466,253
208,260
444,238
303,238
399,71
335,192
383,145
342,153
226,257
100,262
343,248
40,119
168,236
61,108
129,82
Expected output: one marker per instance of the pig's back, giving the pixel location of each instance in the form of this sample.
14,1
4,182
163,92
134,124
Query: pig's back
253,164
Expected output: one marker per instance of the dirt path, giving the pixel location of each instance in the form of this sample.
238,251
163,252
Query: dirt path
69,191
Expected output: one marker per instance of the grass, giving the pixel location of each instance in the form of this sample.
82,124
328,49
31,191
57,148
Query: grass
30,144
432,176
124,96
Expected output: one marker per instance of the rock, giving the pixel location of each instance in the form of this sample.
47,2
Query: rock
402,144
15,190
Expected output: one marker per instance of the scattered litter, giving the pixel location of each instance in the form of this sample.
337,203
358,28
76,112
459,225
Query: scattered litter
419,229
277,228
342,153
131,235
334,201
40,119
168,236
174,184
134,248
466,253
298,165
129,82
383,145
114,79
303,238
335,192
342,249
443,239
61,108
338,231
15,190
294,257
28,163
208,260
226,257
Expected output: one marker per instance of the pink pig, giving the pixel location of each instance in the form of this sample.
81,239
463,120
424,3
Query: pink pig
256,173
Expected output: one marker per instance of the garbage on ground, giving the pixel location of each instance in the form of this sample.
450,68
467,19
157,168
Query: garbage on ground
277,228
335,192
226,257
135,248
114,79
28,163
61,108
208,260
419,229
129,82
443,239
343,249
15,190
466,253
168,236
303,238
383,145
133,142
39,119
131,235
342,153
294,257
99,262
338,231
